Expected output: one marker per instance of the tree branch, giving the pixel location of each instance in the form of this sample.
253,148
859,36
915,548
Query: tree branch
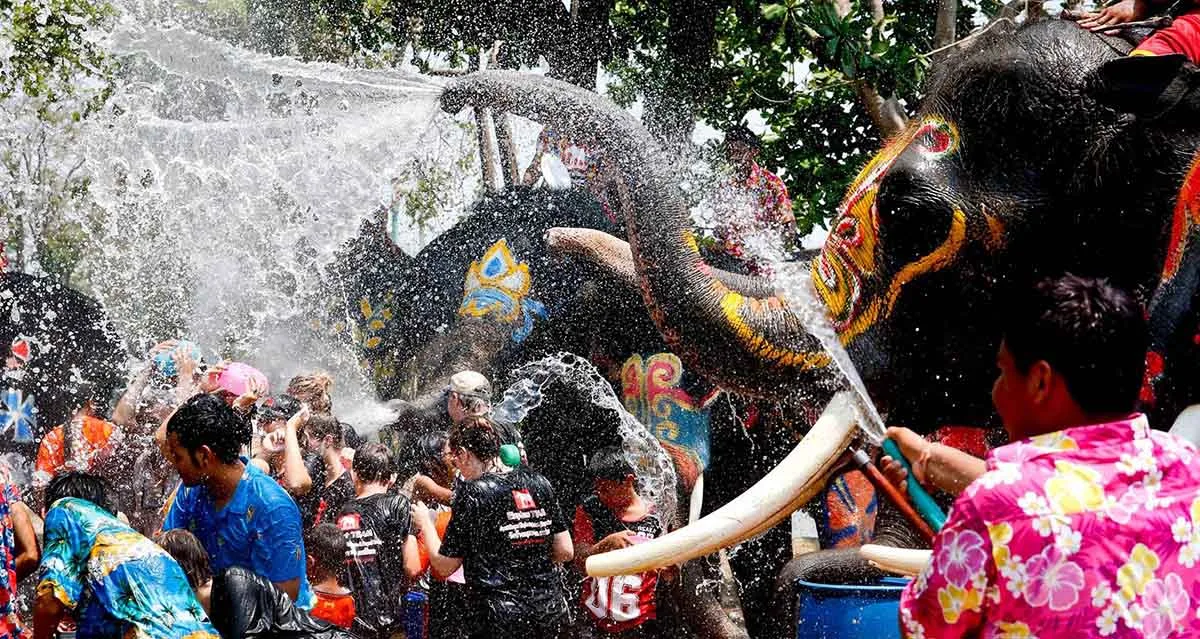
887,115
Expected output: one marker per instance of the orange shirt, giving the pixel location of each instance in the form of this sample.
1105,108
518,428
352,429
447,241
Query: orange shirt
336,609
51,458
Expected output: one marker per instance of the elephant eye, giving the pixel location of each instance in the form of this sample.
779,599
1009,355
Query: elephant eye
936,138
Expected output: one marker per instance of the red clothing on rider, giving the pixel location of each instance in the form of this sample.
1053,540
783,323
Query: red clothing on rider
1183,36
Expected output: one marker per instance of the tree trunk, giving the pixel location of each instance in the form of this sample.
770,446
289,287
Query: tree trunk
691,43
887,115
943,32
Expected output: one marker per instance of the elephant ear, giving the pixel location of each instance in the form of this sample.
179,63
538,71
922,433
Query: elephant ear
1147,86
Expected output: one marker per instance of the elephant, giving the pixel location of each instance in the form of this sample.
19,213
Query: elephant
490,295
1036,151
60,351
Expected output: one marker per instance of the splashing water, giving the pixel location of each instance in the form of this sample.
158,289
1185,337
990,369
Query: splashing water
655,471
224,181
793,281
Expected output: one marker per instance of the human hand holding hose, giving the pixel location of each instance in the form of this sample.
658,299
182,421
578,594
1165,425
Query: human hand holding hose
933,464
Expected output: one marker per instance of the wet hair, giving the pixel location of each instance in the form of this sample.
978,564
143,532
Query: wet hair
477,435
372,463
610,463
742,134
429,452
281,407
326,544
187,551
350,437
205,420
321,425
79,485
1090,332
313,389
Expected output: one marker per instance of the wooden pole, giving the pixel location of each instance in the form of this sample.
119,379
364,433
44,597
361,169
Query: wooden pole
484,136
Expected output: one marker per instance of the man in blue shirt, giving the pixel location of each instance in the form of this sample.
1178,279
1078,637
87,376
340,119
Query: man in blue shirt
241,516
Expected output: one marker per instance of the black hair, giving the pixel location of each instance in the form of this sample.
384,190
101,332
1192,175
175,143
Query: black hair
1090,332
477,435
79,485
743,135
429,452
281,407
350,437
326,544
321,425
205,420
187,551
372,463
610,463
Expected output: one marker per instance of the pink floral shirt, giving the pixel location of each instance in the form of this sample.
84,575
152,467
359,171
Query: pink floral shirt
1088,532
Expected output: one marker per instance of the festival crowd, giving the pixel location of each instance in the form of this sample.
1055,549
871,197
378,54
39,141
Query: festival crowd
203,506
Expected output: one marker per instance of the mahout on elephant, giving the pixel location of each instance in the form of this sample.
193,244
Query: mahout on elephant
1036,151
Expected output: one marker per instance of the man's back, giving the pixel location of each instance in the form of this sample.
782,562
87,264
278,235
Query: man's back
1092,531
376,527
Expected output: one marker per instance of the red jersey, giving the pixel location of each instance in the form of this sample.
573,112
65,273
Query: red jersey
618,603
336,609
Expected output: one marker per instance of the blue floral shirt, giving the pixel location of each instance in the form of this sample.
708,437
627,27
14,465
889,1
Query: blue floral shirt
259,529
118,582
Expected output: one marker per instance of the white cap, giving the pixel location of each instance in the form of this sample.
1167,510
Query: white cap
471,384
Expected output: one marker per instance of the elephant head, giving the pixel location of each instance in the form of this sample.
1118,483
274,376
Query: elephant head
1035,151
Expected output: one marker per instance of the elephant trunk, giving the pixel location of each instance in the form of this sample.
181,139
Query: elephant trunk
752,344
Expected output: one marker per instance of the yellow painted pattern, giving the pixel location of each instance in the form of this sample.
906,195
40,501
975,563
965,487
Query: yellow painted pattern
940,258
512,279
732,304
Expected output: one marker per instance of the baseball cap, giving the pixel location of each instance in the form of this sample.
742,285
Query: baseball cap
471,384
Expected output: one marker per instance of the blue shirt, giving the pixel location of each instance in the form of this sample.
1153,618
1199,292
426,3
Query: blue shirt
119,583
259,529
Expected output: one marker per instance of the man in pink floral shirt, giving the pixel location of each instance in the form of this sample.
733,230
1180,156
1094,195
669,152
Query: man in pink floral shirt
769,204
1089,524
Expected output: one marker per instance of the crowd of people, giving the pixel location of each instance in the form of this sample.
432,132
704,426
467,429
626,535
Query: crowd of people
202,505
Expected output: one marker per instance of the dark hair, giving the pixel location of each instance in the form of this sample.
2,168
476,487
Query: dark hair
372,462
320,425
326,544
350,437
477,435
1090,332
186,550
743,135
205,420
610,463
429,452
281,407
79,485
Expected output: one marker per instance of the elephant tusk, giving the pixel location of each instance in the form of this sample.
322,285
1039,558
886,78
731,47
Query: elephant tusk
901,561
789,486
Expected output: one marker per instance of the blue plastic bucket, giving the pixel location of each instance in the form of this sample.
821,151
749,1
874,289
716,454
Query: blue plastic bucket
849,612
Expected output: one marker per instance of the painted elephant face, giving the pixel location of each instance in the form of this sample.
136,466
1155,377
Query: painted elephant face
859,277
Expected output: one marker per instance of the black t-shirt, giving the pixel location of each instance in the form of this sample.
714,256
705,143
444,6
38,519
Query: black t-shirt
376,528
503,528
333,497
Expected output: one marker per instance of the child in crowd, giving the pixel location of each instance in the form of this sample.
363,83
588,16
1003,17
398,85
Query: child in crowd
616,516
186,550
381,549
326,547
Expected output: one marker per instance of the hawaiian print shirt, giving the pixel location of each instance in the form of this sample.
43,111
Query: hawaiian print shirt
10,623
119,583
1088,532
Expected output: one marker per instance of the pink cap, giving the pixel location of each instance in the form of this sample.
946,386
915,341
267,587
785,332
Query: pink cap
236,379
